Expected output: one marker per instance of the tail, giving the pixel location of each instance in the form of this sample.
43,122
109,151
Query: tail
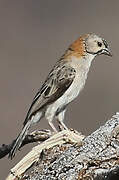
19,139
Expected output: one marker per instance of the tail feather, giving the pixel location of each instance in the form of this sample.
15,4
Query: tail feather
19,139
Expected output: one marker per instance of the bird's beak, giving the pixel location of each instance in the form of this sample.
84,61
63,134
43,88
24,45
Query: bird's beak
107,52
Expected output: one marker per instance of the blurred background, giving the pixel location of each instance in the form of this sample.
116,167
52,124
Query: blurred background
33,36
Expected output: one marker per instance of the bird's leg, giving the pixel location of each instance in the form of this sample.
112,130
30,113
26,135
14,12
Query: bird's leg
60,118
52,126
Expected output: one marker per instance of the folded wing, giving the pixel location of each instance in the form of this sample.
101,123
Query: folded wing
56,84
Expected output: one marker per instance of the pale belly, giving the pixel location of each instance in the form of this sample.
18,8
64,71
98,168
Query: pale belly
82,67
71,93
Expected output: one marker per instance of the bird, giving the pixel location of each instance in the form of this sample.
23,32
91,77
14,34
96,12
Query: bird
63,84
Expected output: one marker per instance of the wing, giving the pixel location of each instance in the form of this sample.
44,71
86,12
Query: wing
57,82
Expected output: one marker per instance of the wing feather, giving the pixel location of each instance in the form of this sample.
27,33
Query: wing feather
57,82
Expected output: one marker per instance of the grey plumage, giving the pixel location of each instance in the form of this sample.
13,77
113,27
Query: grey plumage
58,80
63,84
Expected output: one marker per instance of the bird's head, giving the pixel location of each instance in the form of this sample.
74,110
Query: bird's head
96,45
89,44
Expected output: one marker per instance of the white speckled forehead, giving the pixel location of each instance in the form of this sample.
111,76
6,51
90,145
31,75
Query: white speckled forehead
93,37
91,43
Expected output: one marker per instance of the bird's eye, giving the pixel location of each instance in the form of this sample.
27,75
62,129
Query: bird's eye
99,44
